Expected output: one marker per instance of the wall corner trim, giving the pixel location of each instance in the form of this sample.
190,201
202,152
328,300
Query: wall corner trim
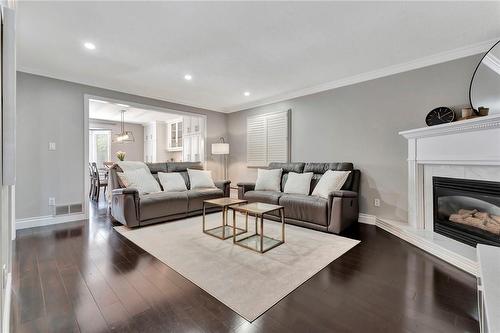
40,221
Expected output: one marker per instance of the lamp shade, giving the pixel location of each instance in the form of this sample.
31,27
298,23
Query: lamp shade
220,148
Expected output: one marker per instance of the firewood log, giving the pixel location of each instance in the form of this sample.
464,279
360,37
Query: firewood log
457,218
467,211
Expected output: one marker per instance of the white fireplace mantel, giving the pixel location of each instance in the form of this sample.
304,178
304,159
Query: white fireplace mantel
469,142
464,149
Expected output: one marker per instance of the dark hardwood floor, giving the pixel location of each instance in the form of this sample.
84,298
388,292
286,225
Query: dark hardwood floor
85,277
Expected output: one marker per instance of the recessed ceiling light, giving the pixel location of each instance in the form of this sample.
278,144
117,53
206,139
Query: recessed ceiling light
246,93
188,77
89,45
123,105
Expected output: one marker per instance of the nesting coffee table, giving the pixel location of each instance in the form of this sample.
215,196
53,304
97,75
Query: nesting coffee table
225,230
258,241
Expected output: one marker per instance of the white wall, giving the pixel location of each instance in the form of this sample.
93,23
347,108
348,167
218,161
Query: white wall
53,110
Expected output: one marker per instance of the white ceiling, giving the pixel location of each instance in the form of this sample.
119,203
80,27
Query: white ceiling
275,50
103,110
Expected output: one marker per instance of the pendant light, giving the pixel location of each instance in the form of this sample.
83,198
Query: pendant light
123,136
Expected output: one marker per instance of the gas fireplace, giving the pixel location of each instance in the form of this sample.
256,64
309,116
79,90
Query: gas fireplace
467,210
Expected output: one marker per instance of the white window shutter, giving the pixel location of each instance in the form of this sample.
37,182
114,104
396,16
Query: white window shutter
256,142
267,139
277,138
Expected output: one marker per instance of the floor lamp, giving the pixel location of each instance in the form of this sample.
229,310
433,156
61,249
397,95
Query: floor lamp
221,148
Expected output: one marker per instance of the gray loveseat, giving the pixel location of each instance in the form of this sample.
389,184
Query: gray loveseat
333,215
132,209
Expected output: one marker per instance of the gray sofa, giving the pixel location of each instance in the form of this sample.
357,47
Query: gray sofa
333,215
132,209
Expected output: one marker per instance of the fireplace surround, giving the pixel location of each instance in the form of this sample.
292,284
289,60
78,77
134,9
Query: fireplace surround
469,150
467,210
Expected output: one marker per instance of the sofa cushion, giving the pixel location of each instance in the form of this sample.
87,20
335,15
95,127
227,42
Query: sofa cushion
197,196
159,204
305,208
270,197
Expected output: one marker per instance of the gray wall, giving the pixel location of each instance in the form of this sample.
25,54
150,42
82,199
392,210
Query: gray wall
53,110
134,150
360,123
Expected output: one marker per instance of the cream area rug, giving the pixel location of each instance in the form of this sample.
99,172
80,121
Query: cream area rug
247,282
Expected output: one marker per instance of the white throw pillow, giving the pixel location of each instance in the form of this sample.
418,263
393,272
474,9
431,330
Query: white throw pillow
298,183
132,165
268,180
200,179
141,180
330,181
172,182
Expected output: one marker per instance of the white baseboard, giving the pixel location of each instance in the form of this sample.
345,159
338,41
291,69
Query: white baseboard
6,305
367,219
453,252
40,221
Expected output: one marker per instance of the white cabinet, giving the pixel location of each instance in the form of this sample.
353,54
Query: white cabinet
149,142
193,145
175,134
155,144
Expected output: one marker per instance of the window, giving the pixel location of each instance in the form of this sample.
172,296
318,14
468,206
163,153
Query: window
268,139
99,146
175,135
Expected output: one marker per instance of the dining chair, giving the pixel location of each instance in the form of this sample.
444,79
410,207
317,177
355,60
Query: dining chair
98,181
92,183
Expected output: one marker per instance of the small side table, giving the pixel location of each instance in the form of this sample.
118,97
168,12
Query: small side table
223,231
258,242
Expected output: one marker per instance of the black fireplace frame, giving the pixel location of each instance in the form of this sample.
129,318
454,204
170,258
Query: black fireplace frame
463,233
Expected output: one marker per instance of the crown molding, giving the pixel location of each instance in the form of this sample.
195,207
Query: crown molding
492,62
438,58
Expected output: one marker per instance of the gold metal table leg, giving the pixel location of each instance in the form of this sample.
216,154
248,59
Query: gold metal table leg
203,216
246,221
234,226
224,216
282,214
262,233
256,220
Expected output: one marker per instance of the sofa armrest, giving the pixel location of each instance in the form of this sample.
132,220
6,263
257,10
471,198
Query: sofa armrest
343,194
343,210
244,187
125,206
224,185
125,190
